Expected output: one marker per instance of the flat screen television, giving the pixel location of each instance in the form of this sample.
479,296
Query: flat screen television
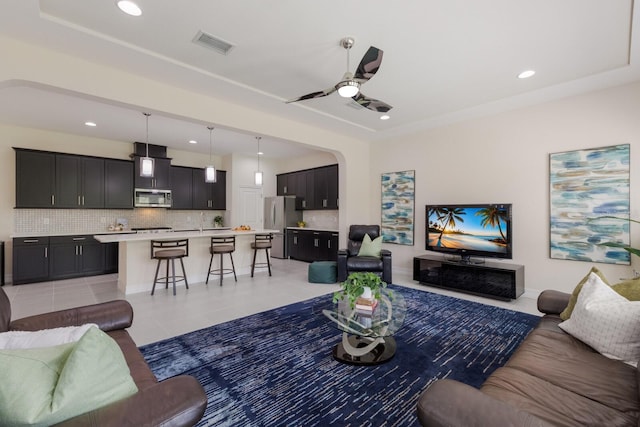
475,230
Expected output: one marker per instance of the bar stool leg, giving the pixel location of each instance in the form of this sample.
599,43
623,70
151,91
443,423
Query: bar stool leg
209,272
221,268
266,251
173,267
233,267
184,274
253,265
155,278
166,276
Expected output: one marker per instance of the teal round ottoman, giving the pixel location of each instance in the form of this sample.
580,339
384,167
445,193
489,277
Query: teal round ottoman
323,272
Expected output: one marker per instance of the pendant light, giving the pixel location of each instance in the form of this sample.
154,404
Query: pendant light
210,171
258,173
147,163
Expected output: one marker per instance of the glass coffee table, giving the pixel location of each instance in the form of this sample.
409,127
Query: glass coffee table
367,336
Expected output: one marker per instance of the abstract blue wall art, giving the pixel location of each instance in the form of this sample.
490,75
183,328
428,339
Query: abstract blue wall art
587,188
398,193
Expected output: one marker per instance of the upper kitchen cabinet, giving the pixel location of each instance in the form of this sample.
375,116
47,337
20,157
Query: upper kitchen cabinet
118,184
79,182
35,179
212,196
326,187
161,174
181,187
316,188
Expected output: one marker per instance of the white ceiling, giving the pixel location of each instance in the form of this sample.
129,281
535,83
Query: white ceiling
443,61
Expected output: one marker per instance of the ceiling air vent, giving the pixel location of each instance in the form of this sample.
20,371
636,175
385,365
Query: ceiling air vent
207,40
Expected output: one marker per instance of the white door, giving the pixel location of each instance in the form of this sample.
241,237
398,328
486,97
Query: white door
250,207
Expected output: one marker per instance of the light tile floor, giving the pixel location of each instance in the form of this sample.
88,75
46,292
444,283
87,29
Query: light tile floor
163,315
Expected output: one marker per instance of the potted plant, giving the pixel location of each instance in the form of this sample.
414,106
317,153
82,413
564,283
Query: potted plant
218,221
357,284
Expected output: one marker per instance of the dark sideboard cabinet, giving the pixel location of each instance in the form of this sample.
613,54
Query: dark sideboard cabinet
312,245
316,189
38,259
490,279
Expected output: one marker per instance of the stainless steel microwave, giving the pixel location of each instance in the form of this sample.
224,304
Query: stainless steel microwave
150,198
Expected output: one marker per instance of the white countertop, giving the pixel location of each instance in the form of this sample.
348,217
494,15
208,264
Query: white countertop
312,229
109,238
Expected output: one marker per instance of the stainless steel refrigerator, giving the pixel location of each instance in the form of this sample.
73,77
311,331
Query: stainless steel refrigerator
279,213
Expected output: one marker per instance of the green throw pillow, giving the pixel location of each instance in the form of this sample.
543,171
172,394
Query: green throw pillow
371,247
566,313
44,386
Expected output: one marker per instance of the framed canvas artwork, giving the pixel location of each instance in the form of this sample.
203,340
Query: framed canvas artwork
398,194
589,204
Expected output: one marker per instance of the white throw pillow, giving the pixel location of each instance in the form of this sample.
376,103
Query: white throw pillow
43,338
606,321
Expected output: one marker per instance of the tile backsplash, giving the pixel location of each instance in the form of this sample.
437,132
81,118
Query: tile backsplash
321,219
88,221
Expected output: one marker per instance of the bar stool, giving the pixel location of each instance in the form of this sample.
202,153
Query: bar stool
170,250
222,245
261,241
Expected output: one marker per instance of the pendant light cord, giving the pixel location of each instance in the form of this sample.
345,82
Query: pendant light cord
147,143
258,138
210,142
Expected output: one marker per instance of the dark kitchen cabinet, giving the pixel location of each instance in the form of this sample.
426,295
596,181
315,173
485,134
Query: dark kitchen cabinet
312,245
181,187
161,175
212,196
35,179
326,188
118,184
74,256
30,259
315,188
110,257
79,182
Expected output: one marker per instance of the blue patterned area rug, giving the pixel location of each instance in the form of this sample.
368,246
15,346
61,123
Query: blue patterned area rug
276,369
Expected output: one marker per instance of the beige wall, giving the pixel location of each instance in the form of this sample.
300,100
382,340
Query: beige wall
504,159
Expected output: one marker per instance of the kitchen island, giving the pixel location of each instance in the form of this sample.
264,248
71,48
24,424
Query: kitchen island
136,268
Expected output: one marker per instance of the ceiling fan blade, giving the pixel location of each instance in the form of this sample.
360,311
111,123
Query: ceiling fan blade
372,104
312,95
368,65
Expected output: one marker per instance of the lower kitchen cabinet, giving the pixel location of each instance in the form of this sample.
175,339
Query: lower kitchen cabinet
30,260
38,259
312,245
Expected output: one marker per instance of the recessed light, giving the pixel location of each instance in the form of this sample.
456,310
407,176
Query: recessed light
91,124
193,141
385,117
260,153
526,74
129,7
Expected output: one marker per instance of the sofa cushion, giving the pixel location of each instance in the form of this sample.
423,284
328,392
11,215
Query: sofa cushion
43,386
552,403
139,369
568,363
364,263
606,321
566,313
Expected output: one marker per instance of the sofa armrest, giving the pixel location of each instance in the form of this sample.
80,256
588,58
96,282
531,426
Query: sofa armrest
178,401
452,403
385,254
553,302
108,316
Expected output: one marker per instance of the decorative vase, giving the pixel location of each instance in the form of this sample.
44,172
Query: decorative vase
366,293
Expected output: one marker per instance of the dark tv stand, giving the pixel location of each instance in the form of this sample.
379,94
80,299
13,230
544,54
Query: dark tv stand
491,279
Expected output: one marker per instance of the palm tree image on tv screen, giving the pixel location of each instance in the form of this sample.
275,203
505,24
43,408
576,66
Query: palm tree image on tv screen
470,229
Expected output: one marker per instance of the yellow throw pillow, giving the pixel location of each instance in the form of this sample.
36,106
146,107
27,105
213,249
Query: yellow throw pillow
566,313
630,289
371,247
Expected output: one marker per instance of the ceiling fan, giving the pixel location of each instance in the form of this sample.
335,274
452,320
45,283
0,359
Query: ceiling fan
349,86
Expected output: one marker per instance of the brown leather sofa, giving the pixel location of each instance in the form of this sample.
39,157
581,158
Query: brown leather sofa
178,401
552,379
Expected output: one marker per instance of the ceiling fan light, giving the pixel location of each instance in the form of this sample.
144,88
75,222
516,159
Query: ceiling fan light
210,174
348,88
